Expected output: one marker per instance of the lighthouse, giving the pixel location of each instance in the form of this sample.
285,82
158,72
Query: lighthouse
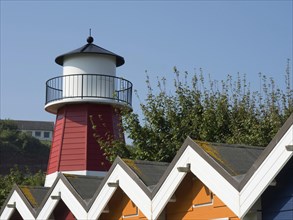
87,101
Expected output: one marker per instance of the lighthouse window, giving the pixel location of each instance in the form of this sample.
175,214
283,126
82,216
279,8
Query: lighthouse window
37,133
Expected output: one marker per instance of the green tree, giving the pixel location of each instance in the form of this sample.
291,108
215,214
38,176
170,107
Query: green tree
224,112
20,178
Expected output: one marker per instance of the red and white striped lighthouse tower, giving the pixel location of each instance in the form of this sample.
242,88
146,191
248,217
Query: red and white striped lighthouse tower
87,100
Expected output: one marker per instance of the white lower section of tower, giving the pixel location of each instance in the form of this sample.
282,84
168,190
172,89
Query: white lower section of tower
50,179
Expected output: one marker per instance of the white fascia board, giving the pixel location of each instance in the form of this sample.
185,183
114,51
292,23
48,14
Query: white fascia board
134,192
170,184
267,171
19,205
67,197
129,187
205,172
212,179
48,208
101,202
72,203
103,197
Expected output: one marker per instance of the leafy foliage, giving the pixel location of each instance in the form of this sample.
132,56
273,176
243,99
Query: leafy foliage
224,112
20,178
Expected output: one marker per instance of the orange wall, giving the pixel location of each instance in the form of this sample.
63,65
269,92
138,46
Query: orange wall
120,205
195,201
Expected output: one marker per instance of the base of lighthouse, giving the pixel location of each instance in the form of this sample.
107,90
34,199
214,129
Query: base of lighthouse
75,149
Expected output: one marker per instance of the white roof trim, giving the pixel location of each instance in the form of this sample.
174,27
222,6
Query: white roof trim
170,185
265,174
67,197
129,187
215,182
19,205
202,170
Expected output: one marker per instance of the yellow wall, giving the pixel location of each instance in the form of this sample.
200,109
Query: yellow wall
121,207
195,201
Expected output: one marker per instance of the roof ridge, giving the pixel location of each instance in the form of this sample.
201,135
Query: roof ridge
231,145
146,161
34,187
83,176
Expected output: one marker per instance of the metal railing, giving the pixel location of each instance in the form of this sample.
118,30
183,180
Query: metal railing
89,86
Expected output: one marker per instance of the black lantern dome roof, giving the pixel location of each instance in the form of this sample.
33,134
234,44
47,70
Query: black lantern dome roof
90,48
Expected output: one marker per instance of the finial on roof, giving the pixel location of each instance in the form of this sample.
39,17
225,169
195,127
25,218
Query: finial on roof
90,39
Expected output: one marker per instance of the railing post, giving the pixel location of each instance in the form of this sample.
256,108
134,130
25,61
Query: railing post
82,86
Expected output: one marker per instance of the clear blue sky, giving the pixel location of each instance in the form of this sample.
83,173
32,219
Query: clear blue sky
222,37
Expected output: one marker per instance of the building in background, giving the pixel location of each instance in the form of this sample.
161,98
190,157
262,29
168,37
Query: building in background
42,130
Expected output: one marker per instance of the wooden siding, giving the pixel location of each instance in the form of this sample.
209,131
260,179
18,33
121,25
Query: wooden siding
74,145
54,158
121,207
277,201
193,200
